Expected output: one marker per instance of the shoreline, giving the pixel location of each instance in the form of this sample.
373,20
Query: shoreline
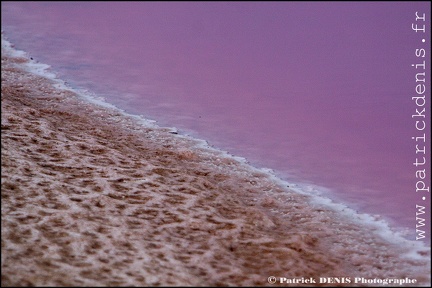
90,197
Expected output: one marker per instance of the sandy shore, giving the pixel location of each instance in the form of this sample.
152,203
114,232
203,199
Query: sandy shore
91,198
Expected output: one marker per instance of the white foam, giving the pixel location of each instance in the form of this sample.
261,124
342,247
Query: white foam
381,227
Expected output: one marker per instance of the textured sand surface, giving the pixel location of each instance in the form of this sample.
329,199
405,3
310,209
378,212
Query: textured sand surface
91,198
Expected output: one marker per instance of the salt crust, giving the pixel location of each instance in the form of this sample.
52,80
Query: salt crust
91,196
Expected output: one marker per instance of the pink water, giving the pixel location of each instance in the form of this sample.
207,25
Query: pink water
319,92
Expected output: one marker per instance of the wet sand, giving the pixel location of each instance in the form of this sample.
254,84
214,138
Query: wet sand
89,197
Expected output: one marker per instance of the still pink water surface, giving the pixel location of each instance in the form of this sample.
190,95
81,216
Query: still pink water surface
319,92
